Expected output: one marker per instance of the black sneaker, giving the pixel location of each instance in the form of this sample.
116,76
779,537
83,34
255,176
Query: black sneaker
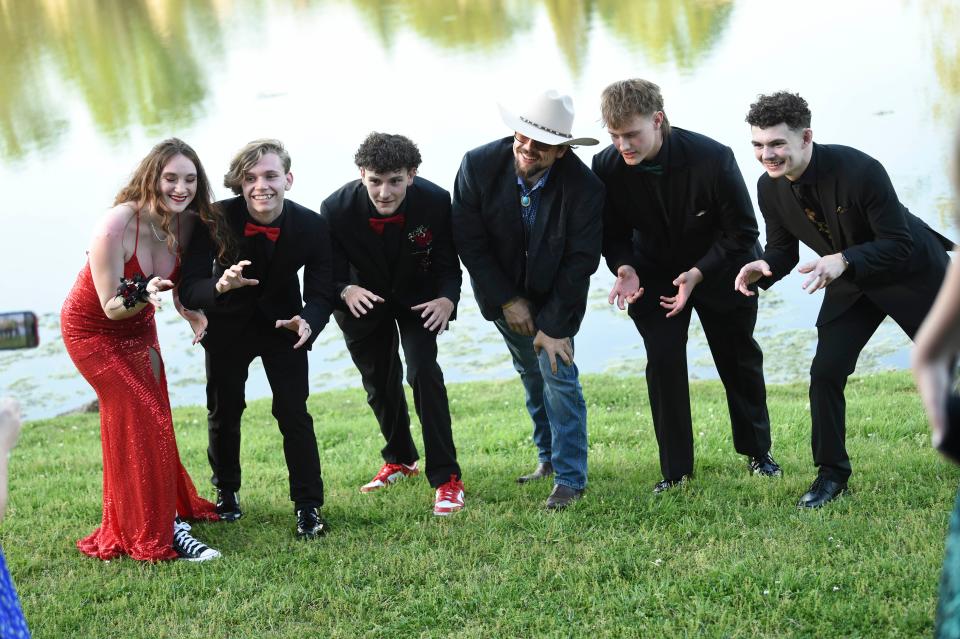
765,466
228,505
667,484
188,547
310,524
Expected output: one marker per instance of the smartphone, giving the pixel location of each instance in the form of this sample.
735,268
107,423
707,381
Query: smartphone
18,330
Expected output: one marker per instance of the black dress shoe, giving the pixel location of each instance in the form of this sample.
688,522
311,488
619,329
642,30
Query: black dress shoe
228,505
310,524
765,466
544,469
562,496
667,484
822,491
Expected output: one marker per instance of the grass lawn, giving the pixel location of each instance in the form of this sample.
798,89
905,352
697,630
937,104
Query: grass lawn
728,555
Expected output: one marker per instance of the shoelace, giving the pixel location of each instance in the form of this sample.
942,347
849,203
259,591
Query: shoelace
387,470
449,490
190,545
817,484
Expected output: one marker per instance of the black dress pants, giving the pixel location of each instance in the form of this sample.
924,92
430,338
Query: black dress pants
739,362
286,371
839,343
377,356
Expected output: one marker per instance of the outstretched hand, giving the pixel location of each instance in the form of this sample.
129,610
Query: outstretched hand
299,326
156,286
233,278
750,274
685,284
436,313
359,300
198,322
626,290
822,271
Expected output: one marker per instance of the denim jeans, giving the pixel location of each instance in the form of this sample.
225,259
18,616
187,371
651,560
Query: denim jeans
556,406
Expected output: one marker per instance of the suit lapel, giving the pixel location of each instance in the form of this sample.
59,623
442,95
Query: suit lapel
284,244
548,197
796,220
413,218
677,191
827,193
507,202
359,224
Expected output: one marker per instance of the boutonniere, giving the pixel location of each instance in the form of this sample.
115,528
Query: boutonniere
422,237
422,240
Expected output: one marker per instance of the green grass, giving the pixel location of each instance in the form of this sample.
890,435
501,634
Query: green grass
729,555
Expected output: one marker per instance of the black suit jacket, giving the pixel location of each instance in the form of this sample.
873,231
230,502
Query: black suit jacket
428,266
564,249
711,221
304,242
889,249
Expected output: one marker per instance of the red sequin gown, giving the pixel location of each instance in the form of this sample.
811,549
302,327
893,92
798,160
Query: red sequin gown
144,484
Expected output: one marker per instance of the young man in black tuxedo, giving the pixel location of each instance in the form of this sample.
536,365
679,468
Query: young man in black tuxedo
876,259
254,309
678,224
396,271
526,221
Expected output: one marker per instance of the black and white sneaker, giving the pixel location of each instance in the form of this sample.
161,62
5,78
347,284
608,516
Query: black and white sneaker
310,524
228,505
765,466
188,547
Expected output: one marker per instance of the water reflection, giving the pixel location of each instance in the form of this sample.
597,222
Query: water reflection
681,32
145,63
133,62
943,17
478,25
678,31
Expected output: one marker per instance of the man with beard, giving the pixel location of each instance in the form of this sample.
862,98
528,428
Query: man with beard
527,224
876,259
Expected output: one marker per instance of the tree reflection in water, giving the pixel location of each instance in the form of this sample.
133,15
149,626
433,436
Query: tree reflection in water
147,63
133,62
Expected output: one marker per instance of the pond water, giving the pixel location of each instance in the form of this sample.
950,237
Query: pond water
88,87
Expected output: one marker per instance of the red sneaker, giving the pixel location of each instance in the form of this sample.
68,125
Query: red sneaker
390,474
449,497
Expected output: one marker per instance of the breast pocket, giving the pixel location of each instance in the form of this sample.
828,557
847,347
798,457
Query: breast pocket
699,219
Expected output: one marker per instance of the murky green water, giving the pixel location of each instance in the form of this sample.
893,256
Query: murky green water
86,87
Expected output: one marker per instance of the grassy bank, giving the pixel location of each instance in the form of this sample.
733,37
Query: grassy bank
728,555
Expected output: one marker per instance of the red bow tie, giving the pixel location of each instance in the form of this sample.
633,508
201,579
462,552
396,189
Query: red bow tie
272,232
377,223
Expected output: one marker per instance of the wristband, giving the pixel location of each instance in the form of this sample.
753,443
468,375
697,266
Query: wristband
343,293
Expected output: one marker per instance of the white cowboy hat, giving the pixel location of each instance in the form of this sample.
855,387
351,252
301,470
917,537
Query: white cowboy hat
548,119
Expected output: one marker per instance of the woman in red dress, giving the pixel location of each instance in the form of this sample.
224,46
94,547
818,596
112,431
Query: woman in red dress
111,335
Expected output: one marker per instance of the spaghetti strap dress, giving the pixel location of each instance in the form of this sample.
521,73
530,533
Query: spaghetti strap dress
145,486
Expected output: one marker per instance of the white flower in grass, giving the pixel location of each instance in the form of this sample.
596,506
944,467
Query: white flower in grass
657,562
766,592
836,588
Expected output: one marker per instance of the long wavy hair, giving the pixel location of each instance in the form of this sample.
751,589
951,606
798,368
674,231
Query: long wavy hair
144,187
